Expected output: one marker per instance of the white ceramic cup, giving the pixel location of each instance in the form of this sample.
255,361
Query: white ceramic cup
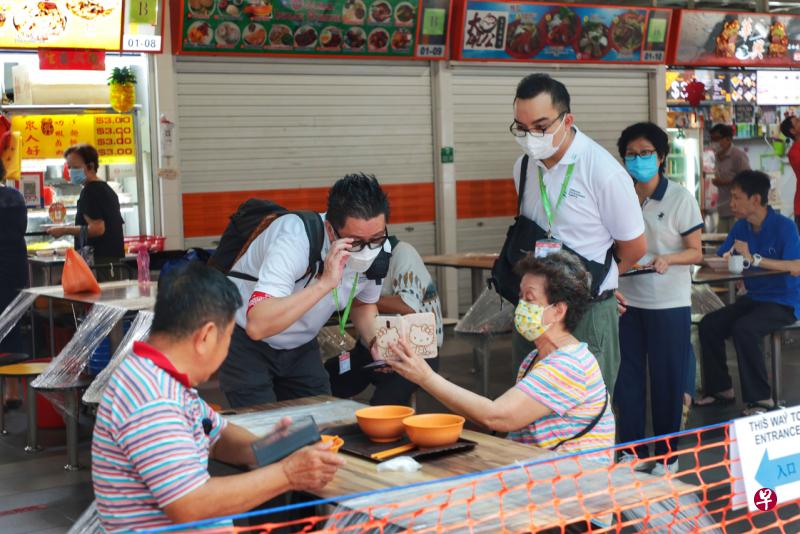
737,264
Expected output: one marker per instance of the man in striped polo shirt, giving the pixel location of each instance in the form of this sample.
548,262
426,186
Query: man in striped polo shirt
154,434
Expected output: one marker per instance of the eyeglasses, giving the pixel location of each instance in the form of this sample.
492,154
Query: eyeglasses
518,131
358,245
642,154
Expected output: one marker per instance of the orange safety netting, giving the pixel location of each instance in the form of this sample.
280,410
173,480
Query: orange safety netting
575,493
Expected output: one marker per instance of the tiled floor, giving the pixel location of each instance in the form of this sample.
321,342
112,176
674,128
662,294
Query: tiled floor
38,496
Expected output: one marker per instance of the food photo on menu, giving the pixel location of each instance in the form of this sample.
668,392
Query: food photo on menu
64,22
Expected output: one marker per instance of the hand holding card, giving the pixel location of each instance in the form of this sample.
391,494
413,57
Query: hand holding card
417,329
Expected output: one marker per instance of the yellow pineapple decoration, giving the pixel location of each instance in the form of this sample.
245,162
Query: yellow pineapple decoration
123,89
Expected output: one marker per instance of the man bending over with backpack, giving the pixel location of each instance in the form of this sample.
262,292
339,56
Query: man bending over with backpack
274,354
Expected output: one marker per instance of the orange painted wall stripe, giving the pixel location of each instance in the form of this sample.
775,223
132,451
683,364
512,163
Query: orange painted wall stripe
206,214
476,199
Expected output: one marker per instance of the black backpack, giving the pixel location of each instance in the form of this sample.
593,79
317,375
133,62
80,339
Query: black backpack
254,216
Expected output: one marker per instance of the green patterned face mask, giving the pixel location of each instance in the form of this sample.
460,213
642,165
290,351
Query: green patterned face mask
529,320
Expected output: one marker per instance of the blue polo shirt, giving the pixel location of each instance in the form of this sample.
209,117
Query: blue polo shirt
777,240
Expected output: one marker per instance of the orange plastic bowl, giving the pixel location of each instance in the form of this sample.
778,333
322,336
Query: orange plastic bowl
434,429
383,424
336,441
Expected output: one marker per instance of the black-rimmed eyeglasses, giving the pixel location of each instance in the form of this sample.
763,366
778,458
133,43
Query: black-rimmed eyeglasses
358,245
518,131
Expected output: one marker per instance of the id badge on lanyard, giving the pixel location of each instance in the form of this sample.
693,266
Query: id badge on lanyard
545,247
344,355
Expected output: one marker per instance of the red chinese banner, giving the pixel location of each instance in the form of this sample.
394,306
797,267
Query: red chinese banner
63,59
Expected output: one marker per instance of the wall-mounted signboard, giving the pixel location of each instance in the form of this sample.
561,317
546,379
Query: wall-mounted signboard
718,38
385,29
532,31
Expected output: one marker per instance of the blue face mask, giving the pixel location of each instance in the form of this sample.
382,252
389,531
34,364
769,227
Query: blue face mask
77,176
643,169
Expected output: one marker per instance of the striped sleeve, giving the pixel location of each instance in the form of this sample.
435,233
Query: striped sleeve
162,450
218,423
558,383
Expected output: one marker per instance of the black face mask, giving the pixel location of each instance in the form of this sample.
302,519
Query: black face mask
380,267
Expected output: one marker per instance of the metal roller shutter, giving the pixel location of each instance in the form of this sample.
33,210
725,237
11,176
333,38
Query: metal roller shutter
604,103
288,129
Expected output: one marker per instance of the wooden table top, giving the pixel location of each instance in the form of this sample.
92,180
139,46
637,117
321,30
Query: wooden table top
126,294
713,237
24,369
464,260
706,275
360,476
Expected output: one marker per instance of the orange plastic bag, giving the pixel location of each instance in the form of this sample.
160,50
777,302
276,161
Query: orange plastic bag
77,277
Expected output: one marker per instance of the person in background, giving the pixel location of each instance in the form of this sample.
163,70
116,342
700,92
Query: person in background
98,221
730,161
584,199
655,331
154,435
770,303
790,127
13,269
560,401
408,288
274,353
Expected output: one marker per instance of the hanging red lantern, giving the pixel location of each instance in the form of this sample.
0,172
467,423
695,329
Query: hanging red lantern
695,92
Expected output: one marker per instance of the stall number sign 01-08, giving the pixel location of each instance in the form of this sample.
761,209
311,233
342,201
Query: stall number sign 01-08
141,43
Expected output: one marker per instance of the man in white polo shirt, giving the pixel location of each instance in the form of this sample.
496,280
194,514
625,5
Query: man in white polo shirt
274,354
581,199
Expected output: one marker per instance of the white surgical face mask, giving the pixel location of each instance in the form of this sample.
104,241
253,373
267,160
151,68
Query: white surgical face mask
541,147
360,261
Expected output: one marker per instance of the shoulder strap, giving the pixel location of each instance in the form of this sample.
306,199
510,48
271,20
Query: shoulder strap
588,427
523,179
315,230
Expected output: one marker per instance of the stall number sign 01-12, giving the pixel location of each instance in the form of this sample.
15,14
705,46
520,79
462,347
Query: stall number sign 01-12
48,136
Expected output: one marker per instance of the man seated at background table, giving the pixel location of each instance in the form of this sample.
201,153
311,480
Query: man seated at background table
154,434
770,303
407,288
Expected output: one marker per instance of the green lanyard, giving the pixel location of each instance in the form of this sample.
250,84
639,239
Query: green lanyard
548,209
343,318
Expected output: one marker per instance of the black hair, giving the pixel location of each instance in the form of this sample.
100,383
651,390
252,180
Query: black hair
645,130
566,280
87,153
753,183
723,130
786,128
356,195
533,85
190,296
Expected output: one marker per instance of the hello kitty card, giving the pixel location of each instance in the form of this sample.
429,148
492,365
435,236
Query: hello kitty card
418,329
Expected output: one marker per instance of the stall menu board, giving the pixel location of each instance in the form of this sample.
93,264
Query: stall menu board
94,24
525,31
778,88
47,136
739,87
718,38
403,29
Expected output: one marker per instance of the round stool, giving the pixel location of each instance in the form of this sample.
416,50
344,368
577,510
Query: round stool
26,372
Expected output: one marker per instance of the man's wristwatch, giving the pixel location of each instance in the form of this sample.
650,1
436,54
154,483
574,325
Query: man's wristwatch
757,260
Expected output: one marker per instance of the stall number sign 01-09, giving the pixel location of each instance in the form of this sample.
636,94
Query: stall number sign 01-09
48,136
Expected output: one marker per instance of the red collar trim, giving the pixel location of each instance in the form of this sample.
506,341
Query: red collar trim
143,350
